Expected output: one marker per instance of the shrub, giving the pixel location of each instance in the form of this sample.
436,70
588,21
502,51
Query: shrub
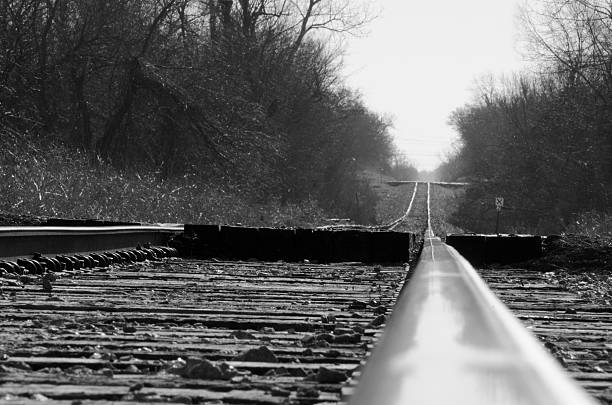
52,180
592,223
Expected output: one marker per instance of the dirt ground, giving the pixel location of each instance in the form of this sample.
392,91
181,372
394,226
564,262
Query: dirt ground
564,298
580,264
444,201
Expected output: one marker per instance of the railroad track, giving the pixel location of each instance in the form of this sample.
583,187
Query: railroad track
450,340
190,331
412,220
577,332
142,327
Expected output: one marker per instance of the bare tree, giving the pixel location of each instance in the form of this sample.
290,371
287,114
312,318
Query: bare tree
574,36
337,16
106,142
302,17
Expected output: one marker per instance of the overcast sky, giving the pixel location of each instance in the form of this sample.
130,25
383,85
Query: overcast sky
420,62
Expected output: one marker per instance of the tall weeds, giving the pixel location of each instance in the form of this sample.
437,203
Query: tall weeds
43,180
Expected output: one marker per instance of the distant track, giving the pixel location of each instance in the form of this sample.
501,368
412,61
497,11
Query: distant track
412,220
395,223
438,183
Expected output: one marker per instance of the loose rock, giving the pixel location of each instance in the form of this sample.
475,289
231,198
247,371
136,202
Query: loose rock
240,334
307,352
182,399
136,387
202,369
347,338
107,372
356,304
308,340
39,397
281,371
47,279
379,320
132,369
325,336
299,372
308,392
279,392
329,318
380,310
261,354
326,375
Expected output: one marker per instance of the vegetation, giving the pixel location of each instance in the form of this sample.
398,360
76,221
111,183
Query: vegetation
43,180
402,169
174,100
444,203
542,140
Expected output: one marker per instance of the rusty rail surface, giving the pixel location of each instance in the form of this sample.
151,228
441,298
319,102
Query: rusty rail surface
451,341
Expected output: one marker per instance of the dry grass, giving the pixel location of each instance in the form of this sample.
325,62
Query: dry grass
444,203
392,200
55,181
593,224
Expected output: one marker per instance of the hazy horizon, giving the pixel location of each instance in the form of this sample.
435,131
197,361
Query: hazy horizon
420,61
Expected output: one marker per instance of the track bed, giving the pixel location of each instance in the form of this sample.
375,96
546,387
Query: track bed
576,331
273,332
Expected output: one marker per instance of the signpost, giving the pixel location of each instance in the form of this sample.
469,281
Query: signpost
499,204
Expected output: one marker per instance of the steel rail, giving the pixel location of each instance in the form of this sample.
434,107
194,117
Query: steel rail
429,206
439,183
385,227
451,341
403,217
27,240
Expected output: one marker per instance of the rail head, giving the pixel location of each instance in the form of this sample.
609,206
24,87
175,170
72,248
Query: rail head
18,241
83,230
451,341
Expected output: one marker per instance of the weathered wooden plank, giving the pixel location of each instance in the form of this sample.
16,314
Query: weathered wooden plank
246,396
189,309
576,331
65,362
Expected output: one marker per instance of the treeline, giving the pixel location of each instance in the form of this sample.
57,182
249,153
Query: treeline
231,93
543,140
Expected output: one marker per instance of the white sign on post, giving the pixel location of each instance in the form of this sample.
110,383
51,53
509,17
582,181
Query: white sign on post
499,203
